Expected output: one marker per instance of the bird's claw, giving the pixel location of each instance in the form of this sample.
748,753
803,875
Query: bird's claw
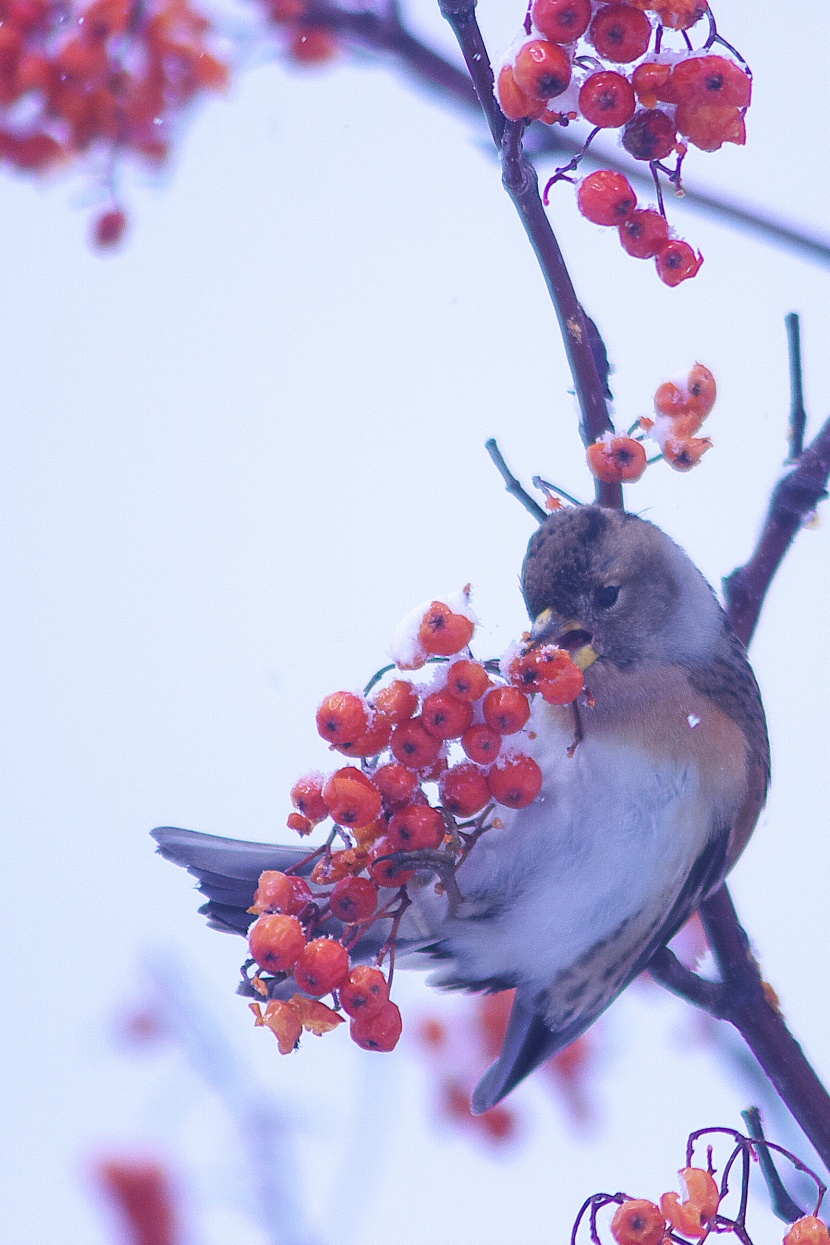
442,865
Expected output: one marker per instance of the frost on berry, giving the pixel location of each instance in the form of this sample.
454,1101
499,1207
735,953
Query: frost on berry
616,459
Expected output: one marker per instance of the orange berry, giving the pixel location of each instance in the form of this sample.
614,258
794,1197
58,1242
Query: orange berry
481,743
607,99
354,900
644,233
351,797
444,716
562,680
467,680
562,21
296,821
677,262
281,1018
379,1031
616,459
374,740
652,84
364,991
709,127
464,790
337,865
443,633
413,745
315,1016
708,79
670,399
385,872
398,701
301,892
515,782
620,33
638,1222
276,941
307,797
606,198
683,454
808,1230
342,718
506,709
396,784
515,103
542,69
416,827
703,391
274,893
321,966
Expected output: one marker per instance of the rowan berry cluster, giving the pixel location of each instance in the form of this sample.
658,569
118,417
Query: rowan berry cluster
608,64
680,408
707,1206
408,805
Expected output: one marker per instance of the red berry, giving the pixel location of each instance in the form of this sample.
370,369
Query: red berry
467,680
342,718
644,233
607,99
385,872
398,701
312,45
683,453
711,80
464,790
808,1230
506,709
443,633
307,796
649,135
481,743
354,900
542,69
703,391
298,823
708,127
282,1019
374,740
638,1222
562,680
364,991
321,966
110,228
616,460
652,84
396,784
379,1031
315,1016
677,262
444,716
413,745
416,827
352,798
515,782
276,941
515,103
561,21
620,33
606,197
273,893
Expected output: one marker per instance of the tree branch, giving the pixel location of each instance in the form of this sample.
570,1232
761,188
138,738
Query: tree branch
512,484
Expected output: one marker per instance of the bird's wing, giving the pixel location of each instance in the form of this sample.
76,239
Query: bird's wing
227,869
531,1039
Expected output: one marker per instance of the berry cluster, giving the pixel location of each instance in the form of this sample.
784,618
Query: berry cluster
407,804
621,77
680,408
706,1206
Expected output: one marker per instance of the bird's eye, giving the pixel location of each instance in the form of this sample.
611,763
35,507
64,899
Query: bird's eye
606,596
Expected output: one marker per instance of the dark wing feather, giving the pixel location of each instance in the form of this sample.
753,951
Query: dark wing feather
530,1041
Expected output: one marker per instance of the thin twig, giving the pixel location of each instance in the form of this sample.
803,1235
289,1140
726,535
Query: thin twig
512,484
798,415
782,1204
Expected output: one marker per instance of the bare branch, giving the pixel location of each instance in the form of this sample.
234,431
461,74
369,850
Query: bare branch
512,484
798,415
782,1204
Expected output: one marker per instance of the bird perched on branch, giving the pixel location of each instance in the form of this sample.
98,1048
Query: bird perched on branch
568,898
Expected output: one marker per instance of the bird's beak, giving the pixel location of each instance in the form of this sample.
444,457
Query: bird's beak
572,636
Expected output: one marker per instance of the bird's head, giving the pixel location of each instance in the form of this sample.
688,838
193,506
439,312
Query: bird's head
606,584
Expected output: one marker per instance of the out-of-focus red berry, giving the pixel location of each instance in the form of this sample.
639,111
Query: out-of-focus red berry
321,966
649,135
709,127
607,99
620,33
276,941
354,900
143,1193
413,745
542,69
606,197
481,743
443,633
283,1021
638,1222
444,716
274,893
677,262
464,790
307,797
110,228
506,709
808,1230
467,680
416,827
396,784
398,701
708,79
385,872
379,1031
342,718
515,103
351,797
515,782
561,21
364,991
652,84
616,460
314,1015
312,45
644,233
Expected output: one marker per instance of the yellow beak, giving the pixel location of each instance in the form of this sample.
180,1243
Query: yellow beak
548,629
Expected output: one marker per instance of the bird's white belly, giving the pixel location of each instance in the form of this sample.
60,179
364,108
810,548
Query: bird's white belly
609,842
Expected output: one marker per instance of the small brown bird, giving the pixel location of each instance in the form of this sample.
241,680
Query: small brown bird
571,896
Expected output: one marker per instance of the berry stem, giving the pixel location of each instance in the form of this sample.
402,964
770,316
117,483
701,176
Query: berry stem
780,1201
798,414
511,483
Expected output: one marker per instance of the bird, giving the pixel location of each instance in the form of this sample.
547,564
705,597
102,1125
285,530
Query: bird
641,814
